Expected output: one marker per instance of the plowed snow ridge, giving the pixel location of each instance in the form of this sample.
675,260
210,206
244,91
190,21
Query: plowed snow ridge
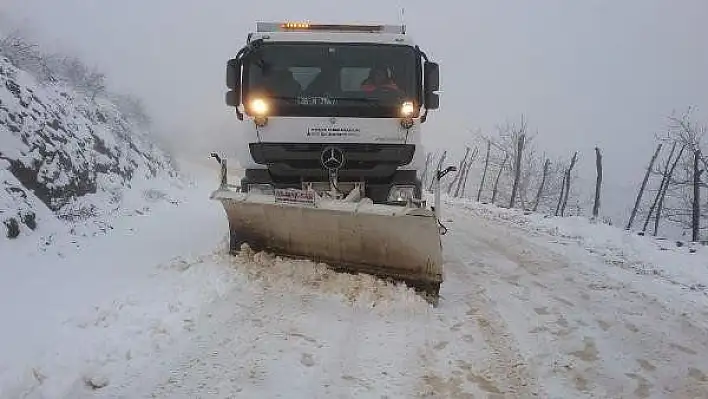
302,277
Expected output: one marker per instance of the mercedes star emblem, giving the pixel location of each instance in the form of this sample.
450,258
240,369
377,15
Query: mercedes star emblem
332,158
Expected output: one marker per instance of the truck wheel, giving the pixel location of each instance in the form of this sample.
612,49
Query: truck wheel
418,192
244,184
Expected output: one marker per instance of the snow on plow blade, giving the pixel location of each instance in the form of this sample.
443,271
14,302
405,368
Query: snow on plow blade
388,241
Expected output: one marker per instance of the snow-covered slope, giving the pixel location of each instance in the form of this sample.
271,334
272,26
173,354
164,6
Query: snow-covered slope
64,157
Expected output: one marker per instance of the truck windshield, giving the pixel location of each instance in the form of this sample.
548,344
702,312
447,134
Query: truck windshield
323,79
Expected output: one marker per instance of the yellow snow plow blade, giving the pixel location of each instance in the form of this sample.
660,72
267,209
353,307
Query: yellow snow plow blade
393,242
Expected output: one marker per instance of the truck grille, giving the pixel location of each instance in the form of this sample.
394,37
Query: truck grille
303,159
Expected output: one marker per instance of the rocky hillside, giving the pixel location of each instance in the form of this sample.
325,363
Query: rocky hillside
65,156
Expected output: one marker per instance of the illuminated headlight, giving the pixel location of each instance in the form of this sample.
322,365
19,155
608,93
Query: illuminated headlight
258,107
401,193
407,109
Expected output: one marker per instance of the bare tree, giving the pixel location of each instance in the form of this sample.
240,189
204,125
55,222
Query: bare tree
560,197
539,193
664,179
72,71
664,176
95,84
598,182
51,67
553,187
484,173
18,50
664,189
531,174
643,186
517,167
462,183
696,215
496,181
682,199
460,171
566,185
506,142
573,161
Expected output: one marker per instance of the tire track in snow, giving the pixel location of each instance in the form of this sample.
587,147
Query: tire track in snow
505,373
516,268
594,330
470,351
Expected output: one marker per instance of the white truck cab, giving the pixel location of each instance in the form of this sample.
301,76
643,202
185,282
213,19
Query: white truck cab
319,99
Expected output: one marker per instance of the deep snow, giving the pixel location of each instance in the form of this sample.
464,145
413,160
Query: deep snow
531,307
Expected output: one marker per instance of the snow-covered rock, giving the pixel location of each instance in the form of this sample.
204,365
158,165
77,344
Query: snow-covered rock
65,157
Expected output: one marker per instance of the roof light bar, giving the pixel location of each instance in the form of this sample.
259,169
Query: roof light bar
305,26
295,25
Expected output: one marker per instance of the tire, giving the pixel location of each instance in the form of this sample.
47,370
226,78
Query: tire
255,176
379,192
244,184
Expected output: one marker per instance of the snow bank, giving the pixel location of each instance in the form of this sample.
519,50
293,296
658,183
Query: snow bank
685,265
81,303
64,157
303,277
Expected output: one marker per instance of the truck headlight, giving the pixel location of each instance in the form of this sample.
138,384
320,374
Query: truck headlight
258,107
401,193
407,109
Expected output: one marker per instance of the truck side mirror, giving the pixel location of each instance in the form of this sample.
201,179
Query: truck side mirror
233,73
232,98
432,84
432,101
233,77
432,76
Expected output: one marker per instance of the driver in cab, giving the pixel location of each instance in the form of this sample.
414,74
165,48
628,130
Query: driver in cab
379,80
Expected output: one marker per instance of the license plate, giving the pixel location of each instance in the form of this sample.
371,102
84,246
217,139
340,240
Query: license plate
294,196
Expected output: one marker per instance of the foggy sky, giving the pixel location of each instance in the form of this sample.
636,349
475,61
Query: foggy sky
603,73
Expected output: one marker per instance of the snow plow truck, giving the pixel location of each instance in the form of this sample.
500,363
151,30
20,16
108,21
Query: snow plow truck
331,150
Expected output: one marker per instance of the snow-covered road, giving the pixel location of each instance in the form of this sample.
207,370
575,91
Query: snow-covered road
524,314
574,325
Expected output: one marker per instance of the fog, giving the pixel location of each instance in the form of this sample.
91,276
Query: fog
602,73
